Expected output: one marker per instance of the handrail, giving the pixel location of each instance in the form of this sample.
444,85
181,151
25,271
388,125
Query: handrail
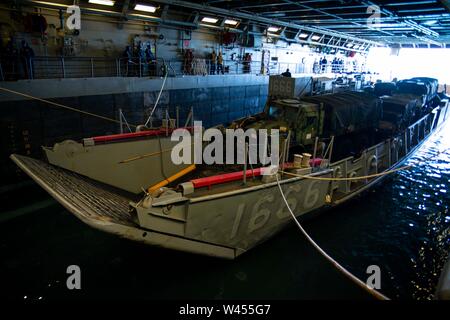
56,67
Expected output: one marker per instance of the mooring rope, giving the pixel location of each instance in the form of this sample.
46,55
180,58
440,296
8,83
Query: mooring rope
62,106
375,175
157,99
339,267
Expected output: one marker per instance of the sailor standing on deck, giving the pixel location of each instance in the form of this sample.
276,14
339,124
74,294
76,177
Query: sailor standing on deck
287,74
220,63
212,62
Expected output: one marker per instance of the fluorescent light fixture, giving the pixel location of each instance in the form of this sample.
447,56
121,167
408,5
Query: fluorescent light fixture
303,35
209,20
102,2
144,7
315,37
349,45
430,22
231,22
273,29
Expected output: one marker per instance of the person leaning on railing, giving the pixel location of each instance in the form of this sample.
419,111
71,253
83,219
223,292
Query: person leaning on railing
212,62
150,60
220,63
10,56
128,56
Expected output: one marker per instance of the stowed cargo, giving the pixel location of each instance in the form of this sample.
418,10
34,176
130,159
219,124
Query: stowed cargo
348,112
426,87
400,110
385,88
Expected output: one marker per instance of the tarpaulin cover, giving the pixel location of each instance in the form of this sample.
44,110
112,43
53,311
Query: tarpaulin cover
385,88
400,108
349,111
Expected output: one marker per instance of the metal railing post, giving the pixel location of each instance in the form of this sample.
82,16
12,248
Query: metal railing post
120,120
118,67
30,68
92,67
140,68
63,67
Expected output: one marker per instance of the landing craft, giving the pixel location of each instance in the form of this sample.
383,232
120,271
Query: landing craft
332,148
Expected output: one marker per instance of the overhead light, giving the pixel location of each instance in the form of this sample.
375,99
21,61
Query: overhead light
231,22
209,20
144,7
303,35
315,37
430,22
102,2
273,29
273,15
349,45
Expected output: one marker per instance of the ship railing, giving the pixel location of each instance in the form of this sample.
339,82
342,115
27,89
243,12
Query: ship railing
384,155
59,67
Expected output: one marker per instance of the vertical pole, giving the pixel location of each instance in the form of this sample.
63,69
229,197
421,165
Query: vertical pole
31,68
120,120
315,151
140,68
63,67
245,164
167,122
118,67
92,74
288,146
178,117
283,157
331,150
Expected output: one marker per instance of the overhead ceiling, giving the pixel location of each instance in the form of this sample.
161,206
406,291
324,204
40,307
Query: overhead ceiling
399,21
356,24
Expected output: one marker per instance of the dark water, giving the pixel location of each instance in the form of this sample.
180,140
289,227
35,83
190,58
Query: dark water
402,226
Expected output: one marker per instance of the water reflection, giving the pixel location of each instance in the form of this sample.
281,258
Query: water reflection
423,213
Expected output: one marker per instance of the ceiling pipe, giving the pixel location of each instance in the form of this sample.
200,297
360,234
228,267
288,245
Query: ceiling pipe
411,23
268,21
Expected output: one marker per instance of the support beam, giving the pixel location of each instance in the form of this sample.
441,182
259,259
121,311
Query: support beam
125,7
446,4
391,14
256,18
331,15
